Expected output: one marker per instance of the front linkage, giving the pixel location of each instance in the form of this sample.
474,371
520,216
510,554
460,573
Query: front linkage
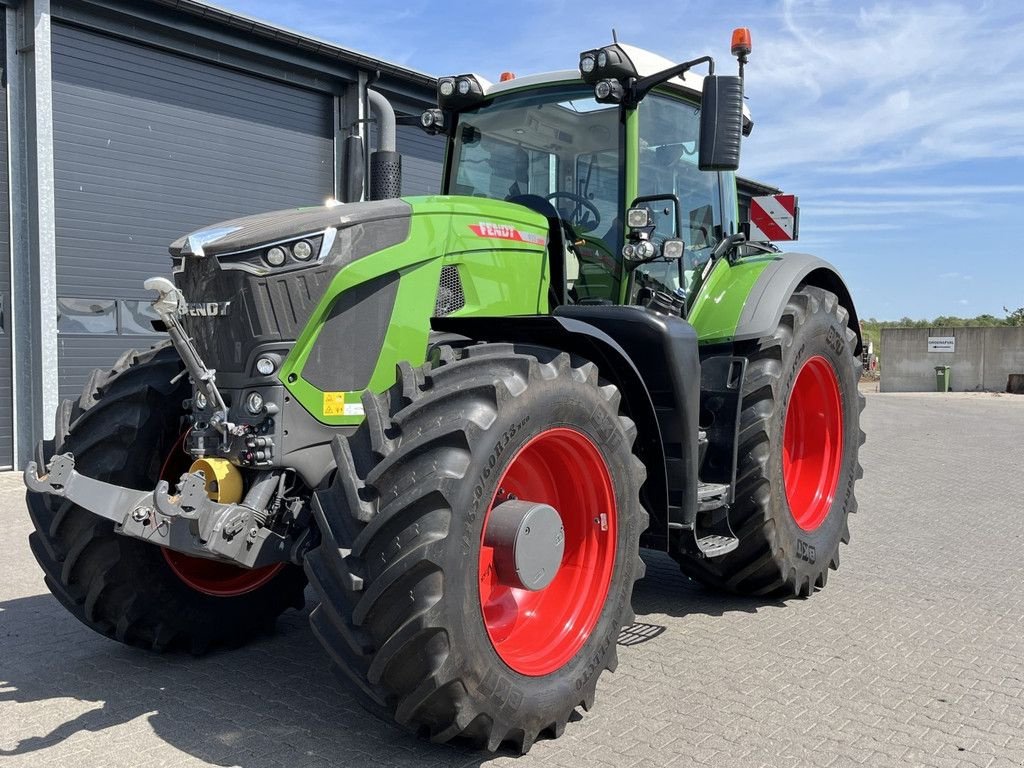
189,521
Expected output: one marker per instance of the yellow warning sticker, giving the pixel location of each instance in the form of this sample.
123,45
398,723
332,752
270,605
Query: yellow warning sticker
334,403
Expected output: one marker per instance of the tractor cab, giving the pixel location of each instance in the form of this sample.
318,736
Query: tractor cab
584,147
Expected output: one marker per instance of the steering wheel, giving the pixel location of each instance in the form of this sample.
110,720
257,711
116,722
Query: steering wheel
582,223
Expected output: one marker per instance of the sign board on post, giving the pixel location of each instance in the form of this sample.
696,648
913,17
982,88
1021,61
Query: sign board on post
942,343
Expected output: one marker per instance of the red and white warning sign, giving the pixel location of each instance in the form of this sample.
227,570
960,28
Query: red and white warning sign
774,217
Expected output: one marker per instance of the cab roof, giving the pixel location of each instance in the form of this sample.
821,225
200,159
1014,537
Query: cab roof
645,62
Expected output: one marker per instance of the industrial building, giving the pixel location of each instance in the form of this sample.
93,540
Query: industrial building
126,124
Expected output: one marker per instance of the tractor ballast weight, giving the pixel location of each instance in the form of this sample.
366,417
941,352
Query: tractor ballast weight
459,416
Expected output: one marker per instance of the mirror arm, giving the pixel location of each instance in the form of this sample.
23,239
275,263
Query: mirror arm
727,246
640,88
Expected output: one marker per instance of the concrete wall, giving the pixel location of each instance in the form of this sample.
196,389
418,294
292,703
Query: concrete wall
983,359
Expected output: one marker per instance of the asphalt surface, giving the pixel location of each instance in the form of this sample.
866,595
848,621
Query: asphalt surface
912,656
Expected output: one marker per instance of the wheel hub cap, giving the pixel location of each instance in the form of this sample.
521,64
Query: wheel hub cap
528,542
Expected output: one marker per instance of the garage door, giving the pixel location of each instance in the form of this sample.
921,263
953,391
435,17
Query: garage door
422,158
149,145
6,393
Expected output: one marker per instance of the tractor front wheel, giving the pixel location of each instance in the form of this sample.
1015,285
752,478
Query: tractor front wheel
125,429
480,544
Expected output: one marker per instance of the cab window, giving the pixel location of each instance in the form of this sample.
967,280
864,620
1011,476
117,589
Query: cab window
669,132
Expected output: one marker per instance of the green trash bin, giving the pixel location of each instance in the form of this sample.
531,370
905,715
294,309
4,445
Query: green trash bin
942,378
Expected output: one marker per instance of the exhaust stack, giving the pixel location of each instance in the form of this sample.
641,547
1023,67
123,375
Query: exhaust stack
385,163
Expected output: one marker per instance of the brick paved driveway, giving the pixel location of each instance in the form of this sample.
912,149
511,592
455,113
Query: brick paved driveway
913,655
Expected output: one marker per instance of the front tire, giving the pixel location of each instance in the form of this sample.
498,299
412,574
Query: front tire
121,430
411,609
798,455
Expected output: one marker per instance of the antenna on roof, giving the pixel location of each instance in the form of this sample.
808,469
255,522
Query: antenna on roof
615,38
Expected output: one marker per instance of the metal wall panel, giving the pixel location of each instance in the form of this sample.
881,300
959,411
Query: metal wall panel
6,303
422,159
149,145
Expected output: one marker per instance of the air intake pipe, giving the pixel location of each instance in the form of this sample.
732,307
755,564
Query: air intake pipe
385,163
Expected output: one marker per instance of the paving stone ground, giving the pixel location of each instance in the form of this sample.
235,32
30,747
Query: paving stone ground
912,656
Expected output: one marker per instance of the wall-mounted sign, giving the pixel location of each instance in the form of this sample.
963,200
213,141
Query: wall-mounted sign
942,343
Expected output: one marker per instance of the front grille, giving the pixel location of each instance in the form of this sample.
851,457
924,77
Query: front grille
450,296
262,309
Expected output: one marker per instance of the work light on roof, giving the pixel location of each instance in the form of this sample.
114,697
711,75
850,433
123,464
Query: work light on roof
603,63
459,92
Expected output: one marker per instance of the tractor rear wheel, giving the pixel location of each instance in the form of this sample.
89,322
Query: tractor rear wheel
123,430
480,543
798,455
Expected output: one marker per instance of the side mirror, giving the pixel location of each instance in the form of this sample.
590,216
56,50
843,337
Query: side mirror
355,166
721,123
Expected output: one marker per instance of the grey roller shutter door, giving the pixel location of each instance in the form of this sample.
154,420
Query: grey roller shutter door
422,159
6,305
149,145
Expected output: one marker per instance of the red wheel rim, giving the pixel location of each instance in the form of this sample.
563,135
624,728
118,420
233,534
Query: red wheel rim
208,576
812,453
537,632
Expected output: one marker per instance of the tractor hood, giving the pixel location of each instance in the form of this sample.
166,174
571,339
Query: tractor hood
262,229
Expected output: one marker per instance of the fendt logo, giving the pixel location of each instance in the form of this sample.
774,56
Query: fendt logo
208,309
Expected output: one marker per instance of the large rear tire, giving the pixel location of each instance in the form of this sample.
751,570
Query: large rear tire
121,430
798,455
412,610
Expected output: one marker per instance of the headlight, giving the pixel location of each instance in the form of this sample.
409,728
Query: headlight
673,249
302,250
637,218
644,250
432,121
272,256
608,62
265,366
609,92
459,92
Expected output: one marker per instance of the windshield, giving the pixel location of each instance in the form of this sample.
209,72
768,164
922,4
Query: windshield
560,144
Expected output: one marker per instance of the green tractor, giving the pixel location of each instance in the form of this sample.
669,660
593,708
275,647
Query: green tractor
460,417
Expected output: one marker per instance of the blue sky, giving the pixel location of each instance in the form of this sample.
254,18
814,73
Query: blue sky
899,125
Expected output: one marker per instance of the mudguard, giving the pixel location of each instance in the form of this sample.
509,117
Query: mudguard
777,282
576,329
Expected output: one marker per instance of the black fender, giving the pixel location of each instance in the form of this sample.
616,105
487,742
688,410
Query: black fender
603,334
779,280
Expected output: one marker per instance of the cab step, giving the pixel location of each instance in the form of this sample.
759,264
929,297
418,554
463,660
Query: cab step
713,534
715,546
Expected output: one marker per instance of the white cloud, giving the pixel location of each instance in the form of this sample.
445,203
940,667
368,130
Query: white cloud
887,88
